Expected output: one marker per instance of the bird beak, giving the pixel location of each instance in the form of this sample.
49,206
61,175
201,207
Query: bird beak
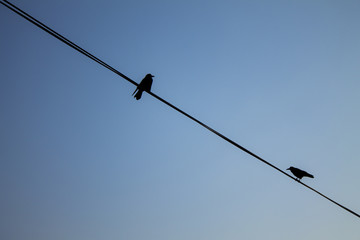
288,169
152,76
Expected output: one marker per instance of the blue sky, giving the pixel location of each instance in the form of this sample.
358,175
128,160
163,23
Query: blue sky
81,159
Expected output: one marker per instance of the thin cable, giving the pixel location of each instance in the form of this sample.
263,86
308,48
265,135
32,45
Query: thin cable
81,50
63,39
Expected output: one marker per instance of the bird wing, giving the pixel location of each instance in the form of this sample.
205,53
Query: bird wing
308,175
305,174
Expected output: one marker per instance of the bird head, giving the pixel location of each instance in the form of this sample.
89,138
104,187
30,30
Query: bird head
149,75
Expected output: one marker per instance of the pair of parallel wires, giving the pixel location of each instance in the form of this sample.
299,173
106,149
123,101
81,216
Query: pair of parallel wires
89,55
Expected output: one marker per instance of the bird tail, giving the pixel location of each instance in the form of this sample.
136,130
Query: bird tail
309,175
138,95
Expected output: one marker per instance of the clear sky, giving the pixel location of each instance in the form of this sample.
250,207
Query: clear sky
81,159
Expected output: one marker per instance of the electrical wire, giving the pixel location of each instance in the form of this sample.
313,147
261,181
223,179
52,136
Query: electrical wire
86,53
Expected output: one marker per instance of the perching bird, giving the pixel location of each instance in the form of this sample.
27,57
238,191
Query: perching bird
145,85
299,174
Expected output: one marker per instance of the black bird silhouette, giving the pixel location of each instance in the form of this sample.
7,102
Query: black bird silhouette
299,174
145,85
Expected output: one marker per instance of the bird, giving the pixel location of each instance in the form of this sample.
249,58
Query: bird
299,174
145,85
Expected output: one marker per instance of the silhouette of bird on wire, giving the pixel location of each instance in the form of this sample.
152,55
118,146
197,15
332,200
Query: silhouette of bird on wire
145,85
299,174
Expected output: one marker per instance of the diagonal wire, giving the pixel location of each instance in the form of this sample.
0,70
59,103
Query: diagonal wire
86,53
63,39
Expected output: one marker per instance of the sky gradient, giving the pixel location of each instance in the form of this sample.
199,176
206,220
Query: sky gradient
81,159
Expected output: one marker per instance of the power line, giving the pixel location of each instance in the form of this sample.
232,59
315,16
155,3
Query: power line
63,39
86,53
